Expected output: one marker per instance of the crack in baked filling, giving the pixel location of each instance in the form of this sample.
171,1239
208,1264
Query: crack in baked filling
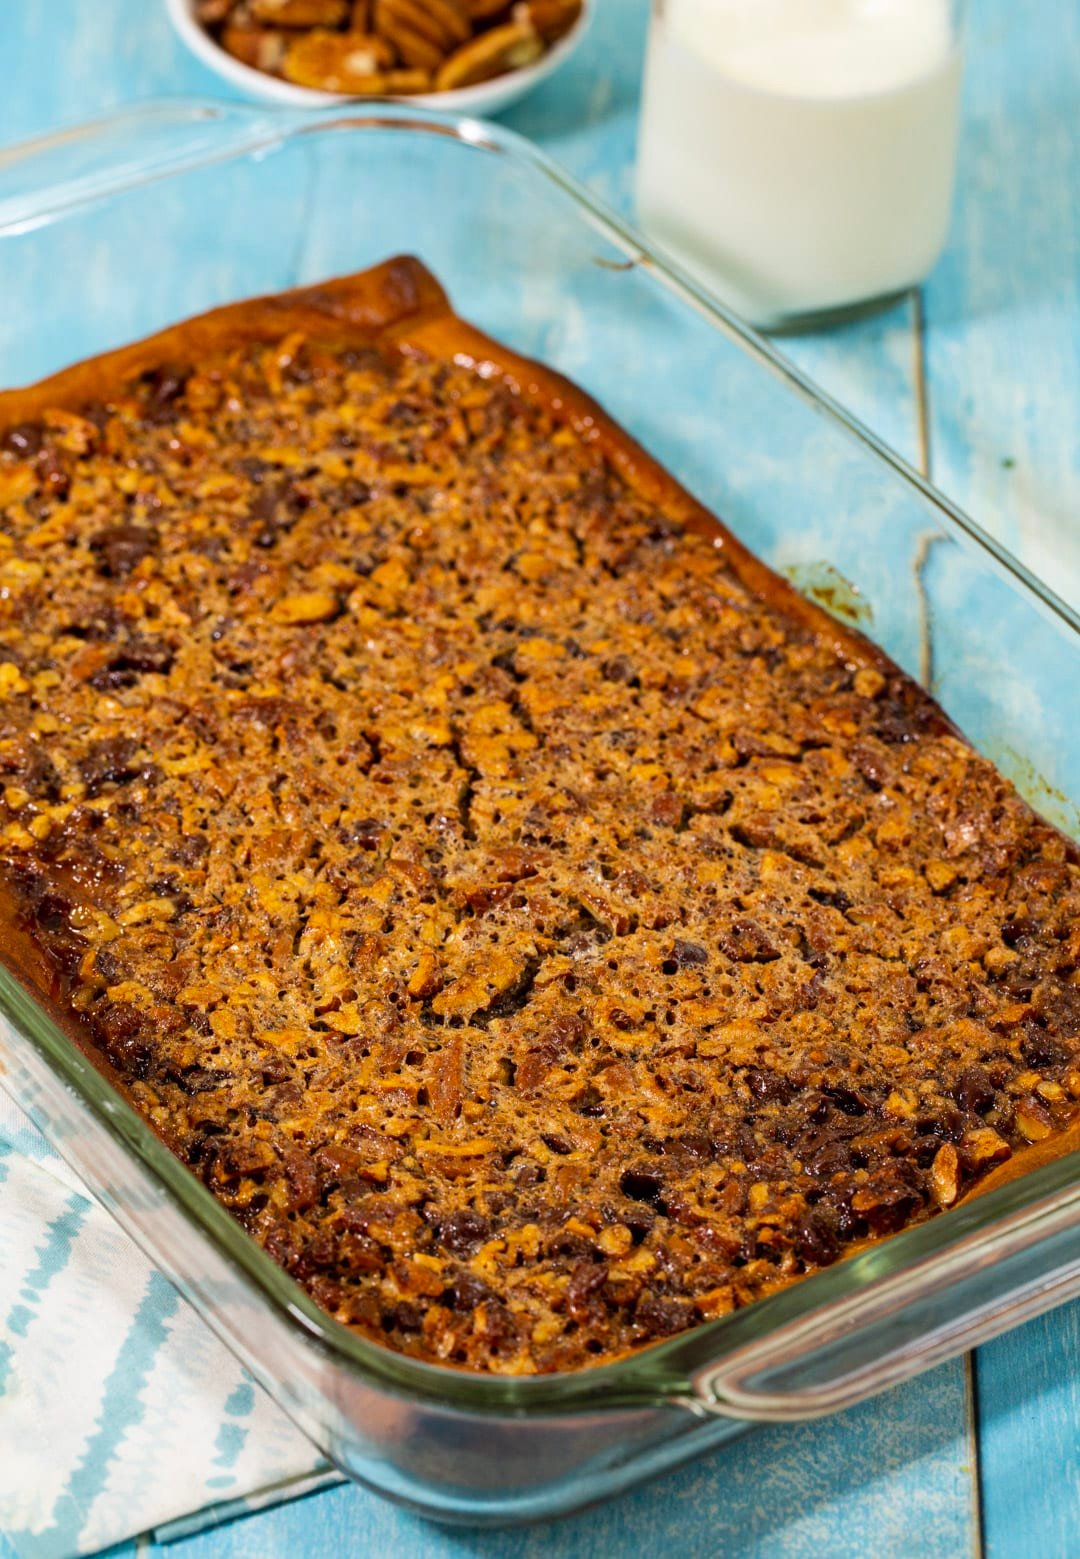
538,940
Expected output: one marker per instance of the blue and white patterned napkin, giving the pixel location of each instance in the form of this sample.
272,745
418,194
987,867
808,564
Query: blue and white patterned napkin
120,1413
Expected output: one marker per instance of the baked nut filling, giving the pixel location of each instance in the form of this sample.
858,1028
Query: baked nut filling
538,926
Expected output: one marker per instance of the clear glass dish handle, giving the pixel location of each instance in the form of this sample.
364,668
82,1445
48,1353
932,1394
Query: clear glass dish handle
902,1323
42,178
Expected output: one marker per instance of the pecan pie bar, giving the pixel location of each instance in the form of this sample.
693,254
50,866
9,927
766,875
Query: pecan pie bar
542,928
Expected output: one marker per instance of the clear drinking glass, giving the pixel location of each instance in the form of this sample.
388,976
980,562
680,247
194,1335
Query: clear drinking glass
799,155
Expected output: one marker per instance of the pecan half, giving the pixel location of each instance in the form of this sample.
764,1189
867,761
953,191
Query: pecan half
263,48
552,19
422,31
337,62
491,54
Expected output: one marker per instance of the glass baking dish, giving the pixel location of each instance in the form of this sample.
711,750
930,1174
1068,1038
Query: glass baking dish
115,229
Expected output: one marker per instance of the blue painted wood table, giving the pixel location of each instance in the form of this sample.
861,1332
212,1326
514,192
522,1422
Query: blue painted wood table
976,379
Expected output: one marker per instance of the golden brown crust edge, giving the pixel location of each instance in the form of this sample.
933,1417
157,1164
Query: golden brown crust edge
373,305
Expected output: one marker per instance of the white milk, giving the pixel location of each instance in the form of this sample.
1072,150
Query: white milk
799,154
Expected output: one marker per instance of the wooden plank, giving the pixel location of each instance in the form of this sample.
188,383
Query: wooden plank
887,1481
67,61
1029,1427
1003,410
1003,308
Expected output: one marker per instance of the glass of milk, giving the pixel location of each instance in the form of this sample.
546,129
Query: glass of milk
798,155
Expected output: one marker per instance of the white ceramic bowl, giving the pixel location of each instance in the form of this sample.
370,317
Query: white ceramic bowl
488,98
